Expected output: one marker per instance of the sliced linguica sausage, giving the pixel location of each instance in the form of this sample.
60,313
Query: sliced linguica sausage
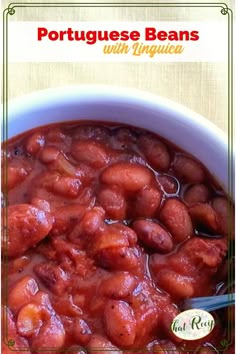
27,225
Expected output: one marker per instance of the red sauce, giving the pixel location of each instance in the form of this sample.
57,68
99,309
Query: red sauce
109,230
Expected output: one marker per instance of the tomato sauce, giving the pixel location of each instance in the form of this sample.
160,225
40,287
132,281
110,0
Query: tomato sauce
109,229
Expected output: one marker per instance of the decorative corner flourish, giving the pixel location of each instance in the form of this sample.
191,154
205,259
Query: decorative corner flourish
224,10
224,343
10,10
11,343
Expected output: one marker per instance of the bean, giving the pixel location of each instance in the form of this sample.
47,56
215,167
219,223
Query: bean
29,320
169,184
81,331
125,135
34,143
124,231
153,235
56,135
225,214
101,345
177,285
198,193
130,177
188,169
113,201
27,225
120,322
48,154
89,224
146,203
22,292
90,152
15,176
67,186
155,152
108,239
91,132
119,285
175,217
204,215
118,258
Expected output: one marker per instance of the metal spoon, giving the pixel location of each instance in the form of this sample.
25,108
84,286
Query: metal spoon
209,303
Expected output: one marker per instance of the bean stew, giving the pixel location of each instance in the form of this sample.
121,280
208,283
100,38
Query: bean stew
109,229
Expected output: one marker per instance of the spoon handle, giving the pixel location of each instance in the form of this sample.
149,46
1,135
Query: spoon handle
209,303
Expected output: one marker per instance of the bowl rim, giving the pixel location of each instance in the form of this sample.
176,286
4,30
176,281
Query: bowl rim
108,95
44,96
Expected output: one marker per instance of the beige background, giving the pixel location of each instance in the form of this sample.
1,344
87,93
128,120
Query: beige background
201,87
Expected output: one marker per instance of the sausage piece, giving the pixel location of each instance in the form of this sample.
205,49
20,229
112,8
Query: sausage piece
27,225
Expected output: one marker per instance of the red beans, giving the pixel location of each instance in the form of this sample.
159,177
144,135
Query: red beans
90,152
130,177
153,235
119,286
22,293
204,215
15,176
90,223
169,184
110,228
120,322
48,154
197,193
29,320
119,258
34,143
175,217
155,152
113,201
188,169
225,214
27,225
146,202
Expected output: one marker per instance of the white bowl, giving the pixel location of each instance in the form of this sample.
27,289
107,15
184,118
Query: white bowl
179,125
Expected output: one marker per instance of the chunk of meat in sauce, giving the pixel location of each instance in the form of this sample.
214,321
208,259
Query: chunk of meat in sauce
27,225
